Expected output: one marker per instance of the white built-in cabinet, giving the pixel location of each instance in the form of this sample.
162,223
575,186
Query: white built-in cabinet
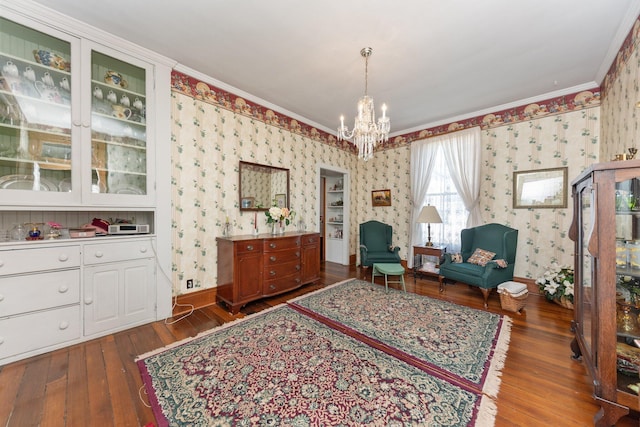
84,126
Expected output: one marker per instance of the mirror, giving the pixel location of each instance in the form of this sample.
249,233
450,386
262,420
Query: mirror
262,186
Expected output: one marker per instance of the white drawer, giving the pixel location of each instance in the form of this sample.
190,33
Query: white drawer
38,259
21,334
115,252
31,292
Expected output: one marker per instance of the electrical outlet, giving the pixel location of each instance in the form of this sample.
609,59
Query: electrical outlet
189,283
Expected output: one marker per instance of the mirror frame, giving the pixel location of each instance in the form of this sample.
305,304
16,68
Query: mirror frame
267,168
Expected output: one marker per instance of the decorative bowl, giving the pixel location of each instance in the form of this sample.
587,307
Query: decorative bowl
52,60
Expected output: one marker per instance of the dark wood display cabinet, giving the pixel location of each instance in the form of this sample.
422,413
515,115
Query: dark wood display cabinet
607,284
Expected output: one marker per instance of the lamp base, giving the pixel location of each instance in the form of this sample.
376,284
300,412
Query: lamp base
429,243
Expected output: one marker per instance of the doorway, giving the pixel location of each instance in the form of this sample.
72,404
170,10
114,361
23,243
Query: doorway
333,213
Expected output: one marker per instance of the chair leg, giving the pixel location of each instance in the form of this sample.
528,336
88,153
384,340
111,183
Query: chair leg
485,294
441,282
386,283
404,288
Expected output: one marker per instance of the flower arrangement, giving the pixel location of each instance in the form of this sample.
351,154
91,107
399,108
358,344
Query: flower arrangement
276,214
557,283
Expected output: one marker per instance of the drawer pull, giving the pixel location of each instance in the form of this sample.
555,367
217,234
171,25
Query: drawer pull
99,254
63,325
297,267
1,340
63,257
298,254
1,263
272,259
249,247
143,249
272,273
272,287
297,280
272,245
88,301
1,297
63,288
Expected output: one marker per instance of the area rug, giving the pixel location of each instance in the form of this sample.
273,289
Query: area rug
467,345
280,367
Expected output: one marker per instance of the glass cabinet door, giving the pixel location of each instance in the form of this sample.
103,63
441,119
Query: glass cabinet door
36,153
586,293
118,126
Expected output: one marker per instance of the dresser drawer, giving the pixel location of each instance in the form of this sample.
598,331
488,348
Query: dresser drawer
30,332
114,252
272,287
274,258
31,292
39,259
248,246
281,270
282,243
310,239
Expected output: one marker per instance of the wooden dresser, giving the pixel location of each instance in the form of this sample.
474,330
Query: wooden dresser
252,267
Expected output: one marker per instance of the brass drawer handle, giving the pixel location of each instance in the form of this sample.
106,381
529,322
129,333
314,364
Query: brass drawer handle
297,280
272,273
272,259
272,287
298,254
249,247
297,267
272,245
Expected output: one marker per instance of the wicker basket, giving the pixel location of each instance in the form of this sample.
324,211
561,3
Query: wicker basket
510,302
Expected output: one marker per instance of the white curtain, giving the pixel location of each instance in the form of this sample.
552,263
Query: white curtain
462,153
423,154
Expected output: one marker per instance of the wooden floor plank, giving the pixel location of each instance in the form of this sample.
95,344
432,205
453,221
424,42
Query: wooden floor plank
55,398
540,384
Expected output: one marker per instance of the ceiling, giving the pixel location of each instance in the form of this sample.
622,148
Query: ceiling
433,61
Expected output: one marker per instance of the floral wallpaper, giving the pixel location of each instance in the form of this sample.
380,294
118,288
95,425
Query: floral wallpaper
213,130
208,142
622,93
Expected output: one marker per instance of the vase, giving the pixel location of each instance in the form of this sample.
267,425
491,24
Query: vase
564,302
281,227
274,228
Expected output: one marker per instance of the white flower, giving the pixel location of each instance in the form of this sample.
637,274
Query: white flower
275,212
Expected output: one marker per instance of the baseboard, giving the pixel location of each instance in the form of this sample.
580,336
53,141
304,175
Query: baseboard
196,299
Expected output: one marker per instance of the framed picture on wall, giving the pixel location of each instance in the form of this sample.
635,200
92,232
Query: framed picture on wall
248,202
281,200
381,198
542,188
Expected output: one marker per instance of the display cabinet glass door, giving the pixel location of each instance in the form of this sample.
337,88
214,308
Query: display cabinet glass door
586,294
118,126
36,153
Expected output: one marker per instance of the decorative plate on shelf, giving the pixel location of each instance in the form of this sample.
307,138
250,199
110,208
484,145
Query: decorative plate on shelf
25,182
128,190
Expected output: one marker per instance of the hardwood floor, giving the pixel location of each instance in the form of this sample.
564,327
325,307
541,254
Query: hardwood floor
98,383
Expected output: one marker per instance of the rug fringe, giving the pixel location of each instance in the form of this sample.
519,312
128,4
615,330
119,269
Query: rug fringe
486,415
494,374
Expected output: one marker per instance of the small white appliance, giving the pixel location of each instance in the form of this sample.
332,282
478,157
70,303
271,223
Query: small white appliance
129,229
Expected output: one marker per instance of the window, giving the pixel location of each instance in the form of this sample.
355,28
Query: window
443,195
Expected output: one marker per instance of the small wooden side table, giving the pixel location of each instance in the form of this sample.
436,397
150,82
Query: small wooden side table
434,251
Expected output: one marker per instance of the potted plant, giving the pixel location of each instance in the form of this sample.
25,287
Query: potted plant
557,284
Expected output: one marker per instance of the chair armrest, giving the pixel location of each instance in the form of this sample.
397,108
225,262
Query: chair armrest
446,259
363,249
394,249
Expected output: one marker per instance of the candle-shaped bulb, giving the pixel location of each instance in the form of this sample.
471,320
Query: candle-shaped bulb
341,121
384,110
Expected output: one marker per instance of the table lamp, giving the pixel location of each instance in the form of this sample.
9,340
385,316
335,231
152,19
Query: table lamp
430,215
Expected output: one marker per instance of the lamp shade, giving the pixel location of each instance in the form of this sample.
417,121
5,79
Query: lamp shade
429,214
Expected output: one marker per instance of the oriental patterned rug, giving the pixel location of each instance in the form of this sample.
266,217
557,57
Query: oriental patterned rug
467,345
281,367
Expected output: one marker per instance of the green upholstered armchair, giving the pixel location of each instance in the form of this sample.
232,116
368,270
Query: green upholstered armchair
376,244
496,238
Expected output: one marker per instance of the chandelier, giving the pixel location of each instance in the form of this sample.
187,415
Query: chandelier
366,132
